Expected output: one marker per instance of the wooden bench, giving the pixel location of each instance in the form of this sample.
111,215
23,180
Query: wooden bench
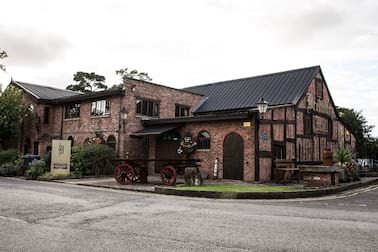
285,171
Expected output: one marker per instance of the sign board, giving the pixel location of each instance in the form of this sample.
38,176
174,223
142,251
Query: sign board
61,157
246,124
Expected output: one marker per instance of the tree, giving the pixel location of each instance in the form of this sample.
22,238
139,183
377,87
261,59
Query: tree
87,82
125,73
12,111
3,55
357,124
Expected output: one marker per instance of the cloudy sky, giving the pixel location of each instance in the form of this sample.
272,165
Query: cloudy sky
185,43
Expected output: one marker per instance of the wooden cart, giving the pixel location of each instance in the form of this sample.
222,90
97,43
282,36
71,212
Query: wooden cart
130,171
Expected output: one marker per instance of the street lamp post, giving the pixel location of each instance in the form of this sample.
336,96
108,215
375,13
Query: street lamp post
262,107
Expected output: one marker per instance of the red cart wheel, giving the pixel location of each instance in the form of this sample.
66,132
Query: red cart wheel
124,174
168,175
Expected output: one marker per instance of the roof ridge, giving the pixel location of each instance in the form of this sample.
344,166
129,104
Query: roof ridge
253,77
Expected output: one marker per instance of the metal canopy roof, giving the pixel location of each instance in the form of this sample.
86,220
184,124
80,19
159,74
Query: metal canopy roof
154,130
277,88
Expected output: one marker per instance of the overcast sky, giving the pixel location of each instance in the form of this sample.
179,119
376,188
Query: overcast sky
185,43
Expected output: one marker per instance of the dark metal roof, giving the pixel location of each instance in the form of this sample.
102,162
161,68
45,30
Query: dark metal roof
90,96
44,92
277,88
154,130
199,118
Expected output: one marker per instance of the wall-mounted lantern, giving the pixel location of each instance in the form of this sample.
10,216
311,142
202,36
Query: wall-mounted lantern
262,105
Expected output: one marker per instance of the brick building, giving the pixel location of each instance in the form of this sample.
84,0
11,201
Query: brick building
146,120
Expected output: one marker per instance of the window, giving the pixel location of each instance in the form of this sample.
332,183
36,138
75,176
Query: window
147,107
330,129
46,115
111,142
72,111
307,120
319,88
36,148
100,108
181,110
203,140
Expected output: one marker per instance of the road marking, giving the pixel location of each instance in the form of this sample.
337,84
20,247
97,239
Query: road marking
12,219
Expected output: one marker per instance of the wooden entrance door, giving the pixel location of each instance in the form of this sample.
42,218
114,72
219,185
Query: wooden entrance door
166,148
233,157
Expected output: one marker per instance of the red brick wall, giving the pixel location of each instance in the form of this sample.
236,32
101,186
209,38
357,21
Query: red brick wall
167,98
218,131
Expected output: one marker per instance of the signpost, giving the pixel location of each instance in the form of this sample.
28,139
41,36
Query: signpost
61,157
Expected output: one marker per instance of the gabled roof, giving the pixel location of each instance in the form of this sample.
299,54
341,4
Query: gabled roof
44,92
283,88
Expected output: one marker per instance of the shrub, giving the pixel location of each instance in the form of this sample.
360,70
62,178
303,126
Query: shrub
37,168
89,159
8,169
8,156
343,155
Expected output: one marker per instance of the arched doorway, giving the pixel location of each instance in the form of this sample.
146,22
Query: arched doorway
111,142
233,156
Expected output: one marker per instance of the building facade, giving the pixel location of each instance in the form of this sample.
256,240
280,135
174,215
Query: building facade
146,120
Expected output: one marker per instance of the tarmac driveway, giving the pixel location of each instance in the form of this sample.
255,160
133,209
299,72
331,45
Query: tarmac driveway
43,216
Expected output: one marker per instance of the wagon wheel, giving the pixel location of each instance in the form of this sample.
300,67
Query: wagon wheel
136,176
124,174
168,175
21,170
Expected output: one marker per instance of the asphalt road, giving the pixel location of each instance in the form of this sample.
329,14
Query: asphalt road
43,216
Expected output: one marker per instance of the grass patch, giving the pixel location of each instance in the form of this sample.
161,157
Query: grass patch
242,188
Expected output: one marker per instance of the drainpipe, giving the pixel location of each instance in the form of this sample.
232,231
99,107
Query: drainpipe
257,148
61,124
120,114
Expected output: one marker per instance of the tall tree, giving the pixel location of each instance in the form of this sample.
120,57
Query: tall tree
12,111
357,124
3,55
87,82
125,73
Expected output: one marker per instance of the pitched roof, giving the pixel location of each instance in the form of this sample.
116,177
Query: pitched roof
281,88
44,92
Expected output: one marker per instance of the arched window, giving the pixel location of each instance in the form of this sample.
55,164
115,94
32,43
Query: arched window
111,142
72,140
203,140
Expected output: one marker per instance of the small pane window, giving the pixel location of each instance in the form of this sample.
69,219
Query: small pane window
181,110
46,115
307,119
100,108
203,140
147,107
72,111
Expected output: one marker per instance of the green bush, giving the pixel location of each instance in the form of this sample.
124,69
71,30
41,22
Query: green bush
343,155
8,156
91,159
8,169
37,168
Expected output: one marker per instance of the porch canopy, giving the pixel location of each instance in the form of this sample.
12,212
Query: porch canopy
154,130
